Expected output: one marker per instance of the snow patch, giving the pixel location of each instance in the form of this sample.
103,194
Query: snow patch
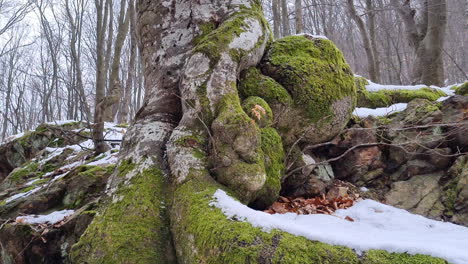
51,218
383,111
375,226
23,194
312,36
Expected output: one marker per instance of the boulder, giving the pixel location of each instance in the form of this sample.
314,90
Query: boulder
320,83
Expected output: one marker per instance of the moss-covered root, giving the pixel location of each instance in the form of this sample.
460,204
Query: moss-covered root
211,102
203,234
388,97
133,228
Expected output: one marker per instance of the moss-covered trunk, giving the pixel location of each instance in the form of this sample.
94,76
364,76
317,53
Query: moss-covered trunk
217,116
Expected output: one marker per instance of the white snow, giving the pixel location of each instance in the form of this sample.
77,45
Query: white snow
11,138
375,226
109,158
23,194
383,111
364,189
311,35
61,122
51,218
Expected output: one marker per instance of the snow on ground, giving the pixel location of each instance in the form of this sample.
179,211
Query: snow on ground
376,226
23,194
51,218
383,111
11,138
110,157
61,122
374,87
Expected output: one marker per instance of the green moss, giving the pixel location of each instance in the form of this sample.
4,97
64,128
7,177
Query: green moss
125,167
27,189
462,89
22,173
450,196
272,148
383,257
388,97
91,171
2,202
132,229
254,83
123,125
313,71
258,110
214,41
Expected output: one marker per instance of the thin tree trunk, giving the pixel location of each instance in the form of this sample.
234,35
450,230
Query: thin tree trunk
286,28
276,18
112,99
299,21
365,39
101,73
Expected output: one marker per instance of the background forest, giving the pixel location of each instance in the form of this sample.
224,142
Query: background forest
59,59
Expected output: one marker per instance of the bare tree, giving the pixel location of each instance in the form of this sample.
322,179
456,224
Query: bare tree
371,61
425,29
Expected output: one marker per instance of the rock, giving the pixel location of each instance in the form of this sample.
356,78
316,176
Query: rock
455,110
440,158
418,111
15,153
313,71
418,194
359,162
310,180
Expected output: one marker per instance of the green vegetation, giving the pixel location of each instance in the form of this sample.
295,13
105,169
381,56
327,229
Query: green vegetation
388,97
132,228
313,71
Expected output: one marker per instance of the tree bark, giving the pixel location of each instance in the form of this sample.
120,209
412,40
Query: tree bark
425,31
286,28
190,132
299,21
102,9
276,18
365,39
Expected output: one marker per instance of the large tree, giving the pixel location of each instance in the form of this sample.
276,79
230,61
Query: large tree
217,116
425,22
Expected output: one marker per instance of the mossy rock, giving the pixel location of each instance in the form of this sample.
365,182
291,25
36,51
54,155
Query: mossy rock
462,89
258,110
319,81
384,98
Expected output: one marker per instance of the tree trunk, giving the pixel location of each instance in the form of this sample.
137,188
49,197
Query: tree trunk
276,18
425,31
192,137
285,18
299,22
365,39
101,73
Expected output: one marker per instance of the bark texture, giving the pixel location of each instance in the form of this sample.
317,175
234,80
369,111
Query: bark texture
200,130
425,24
